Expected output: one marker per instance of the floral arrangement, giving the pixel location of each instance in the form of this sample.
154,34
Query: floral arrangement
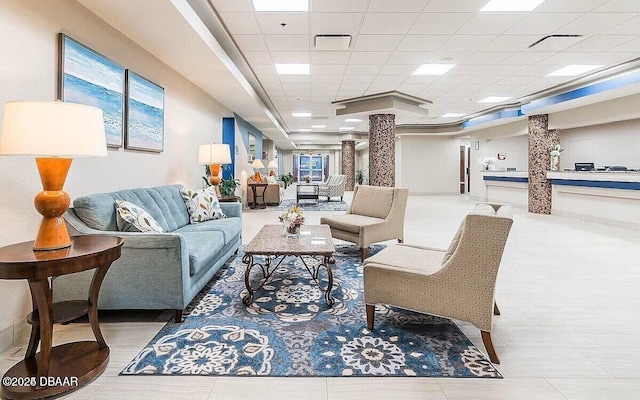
556,150
486,161
307,179
293,218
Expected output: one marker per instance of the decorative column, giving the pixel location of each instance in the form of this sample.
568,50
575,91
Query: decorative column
541,140
382,150
349,162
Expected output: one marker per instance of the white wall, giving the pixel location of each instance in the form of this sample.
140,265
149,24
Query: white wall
28,72
428,165
614,143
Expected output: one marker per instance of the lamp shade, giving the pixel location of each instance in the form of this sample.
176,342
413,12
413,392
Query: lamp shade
215,153
272,164
257,163
52,128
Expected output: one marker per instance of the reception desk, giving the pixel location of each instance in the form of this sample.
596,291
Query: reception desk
608,197
506,186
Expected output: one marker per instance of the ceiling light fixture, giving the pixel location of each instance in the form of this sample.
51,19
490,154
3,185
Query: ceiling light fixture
304,130
293,69
453,115
301,114
493,99
352,120
511,5
318,126
433,69
345,128
574,70
281,5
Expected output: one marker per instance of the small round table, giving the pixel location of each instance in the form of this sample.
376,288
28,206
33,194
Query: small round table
63,368
254,187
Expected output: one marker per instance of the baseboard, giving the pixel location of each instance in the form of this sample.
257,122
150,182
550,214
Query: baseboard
14,334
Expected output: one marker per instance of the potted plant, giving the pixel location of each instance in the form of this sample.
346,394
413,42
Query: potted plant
287,179
360,176
228,187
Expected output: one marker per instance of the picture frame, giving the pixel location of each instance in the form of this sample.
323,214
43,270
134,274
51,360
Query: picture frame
87,77
144,114
502,156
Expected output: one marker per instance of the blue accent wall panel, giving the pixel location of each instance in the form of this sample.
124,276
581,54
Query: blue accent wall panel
597,184
229,137
506,178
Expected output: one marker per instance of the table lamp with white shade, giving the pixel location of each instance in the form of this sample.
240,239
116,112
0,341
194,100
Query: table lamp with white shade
214,155
257,165
273,166
53,132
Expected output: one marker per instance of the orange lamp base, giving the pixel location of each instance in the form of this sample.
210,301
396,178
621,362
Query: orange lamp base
214,179
257,177
52,203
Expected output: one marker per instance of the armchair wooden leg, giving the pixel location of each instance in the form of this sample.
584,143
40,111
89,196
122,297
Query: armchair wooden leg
371,311
488,344
400,240
363,253
178,316
496,310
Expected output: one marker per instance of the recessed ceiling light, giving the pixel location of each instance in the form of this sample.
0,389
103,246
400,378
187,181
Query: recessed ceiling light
493,99
433,69
345,128
511,5
293,69
453,115
301,114
318,126
573,70
352,120
281,5
304,130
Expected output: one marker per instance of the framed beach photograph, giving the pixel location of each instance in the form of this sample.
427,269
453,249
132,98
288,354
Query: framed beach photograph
87,77
144,110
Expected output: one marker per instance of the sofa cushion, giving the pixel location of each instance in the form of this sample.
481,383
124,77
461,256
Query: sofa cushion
372,201
202,205
350,222
229,227
163,203
203,248
133,218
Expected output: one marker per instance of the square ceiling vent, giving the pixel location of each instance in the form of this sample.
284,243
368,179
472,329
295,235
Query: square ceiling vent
332,42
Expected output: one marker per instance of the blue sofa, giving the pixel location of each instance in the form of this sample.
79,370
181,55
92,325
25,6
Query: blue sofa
156,270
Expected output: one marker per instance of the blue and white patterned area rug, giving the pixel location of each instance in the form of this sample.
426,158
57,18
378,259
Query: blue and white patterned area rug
311,205
290,331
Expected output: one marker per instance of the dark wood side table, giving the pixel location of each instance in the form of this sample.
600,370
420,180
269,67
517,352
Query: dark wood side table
63,368
230,199
254,189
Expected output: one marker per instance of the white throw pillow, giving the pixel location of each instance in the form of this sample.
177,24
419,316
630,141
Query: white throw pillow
133,218
202,205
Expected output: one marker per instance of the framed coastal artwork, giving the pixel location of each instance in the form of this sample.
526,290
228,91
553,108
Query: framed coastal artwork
87,77
144,110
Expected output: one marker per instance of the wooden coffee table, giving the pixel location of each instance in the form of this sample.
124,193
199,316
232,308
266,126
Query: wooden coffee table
269,248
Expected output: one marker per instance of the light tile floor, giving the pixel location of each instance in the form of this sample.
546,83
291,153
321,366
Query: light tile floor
567,289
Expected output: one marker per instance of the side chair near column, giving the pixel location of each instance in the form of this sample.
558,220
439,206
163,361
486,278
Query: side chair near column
376,214
333,187
455,283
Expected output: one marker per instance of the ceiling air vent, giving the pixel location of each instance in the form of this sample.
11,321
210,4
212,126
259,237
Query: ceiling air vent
538,42
332,42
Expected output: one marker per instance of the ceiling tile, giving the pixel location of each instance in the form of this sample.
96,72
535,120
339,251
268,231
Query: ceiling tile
543,23
632,47
527,57
369,57
483,24
264,69
422,42
488,57
287,42
421,79
358,79
538,70
272,86
517,80
451,57
455,6
555,44
328,69
362,69
335,23
285,79
354,86
412,88
486,79
510,43
290,57
570,5
600,43
402,70
439,23
621,6
329,57
504,69
590,24
381,87
387,23
469,69
240,23
377,42
409,57
454,79
258,57
326,78
629,27
466,42
268,78
325,86
397,79
566,58
339,5
348,94
395,6
612,59
270,23
290,87
232,5
250,42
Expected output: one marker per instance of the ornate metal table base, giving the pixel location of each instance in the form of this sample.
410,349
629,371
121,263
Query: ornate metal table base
271,264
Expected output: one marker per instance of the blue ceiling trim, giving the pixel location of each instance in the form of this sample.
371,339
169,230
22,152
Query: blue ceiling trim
589,90
492,117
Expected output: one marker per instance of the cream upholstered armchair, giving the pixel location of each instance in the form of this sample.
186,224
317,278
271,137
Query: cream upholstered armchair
457,283
333,187
376,214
